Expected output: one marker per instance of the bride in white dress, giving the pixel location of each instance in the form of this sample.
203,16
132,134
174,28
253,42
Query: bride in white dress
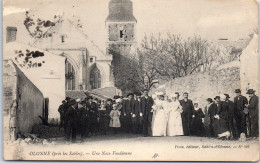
174,126
159,116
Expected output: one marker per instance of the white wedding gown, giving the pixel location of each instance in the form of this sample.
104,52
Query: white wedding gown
174,126
159,121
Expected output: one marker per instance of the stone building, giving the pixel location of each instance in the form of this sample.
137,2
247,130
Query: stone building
73,64
86,66
23,102
121,26
45,70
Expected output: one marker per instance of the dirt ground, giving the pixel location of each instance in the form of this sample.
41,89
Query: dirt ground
135,147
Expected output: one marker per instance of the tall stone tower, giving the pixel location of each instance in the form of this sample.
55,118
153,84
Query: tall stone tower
120,25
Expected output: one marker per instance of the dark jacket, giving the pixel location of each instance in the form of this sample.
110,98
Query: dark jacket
212,111
240,103
62,110
146,105
93,110
136,107
71,114
230,108
223,110
187,106
128,106
253,106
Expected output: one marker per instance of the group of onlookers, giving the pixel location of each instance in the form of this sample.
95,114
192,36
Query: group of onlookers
161,115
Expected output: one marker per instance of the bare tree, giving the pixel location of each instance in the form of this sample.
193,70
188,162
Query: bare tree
174,57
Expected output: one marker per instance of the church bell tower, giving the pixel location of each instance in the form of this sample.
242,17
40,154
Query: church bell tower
120,25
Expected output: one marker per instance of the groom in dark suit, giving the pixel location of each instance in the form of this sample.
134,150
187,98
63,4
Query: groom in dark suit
146,104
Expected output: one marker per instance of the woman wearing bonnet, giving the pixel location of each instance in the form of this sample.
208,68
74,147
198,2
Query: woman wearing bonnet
174,126
159,121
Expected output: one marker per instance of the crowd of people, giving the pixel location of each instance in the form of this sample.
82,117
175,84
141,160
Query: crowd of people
161,115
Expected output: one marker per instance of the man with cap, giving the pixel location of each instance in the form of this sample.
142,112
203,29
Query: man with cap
146,113
231,124
240,103
253,113
127,112
187,107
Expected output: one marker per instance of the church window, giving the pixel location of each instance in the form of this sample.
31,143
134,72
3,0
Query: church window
69,76
95,78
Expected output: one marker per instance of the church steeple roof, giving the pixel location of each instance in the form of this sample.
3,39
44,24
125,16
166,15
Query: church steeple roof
120,11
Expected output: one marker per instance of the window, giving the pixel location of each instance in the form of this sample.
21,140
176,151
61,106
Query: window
63,38
69,76
91,60
11,34
121,34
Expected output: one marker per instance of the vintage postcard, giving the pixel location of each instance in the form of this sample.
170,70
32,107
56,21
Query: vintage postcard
130,80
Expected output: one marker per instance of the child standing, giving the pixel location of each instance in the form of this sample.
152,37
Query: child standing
114,121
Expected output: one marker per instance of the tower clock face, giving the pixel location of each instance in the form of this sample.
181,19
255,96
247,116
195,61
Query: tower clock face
122,32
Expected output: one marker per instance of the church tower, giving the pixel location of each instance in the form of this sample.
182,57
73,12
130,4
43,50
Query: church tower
120,25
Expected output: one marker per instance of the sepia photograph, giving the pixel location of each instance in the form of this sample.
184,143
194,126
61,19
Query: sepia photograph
130,80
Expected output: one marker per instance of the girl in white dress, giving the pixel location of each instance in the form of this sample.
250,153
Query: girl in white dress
159,116
174,126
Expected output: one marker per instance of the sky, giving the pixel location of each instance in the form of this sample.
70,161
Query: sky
211,19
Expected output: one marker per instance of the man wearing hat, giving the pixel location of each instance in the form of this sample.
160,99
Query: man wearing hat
127,112
186,115
71,121
109,105
136,113
231,113
146,104
62,110
240,103
82,115
93,116
253,113
210,112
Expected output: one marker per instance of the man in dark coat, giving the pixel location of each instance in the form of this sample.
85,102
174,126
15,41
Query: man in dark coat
93,116
82,115
135,113
231,121
71,121
253,113
62,110
146,104
212,110
240,103
186,115
221,118
127,112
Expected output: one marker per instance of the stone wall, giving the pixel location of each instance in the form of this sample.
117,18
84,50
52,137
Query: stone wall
30,100
205,85
249,72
